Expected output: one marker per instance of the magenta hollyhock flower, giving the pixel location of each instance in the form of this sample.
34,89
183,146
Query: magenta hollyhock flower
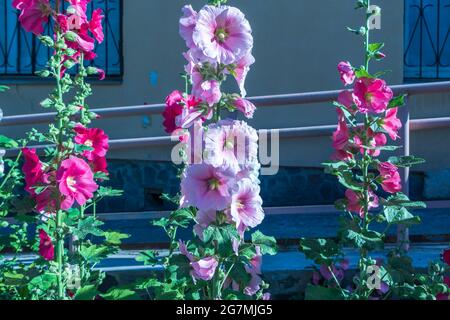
246,205
341,136
100,164
375,140
187,25
206,187
223,34
204,269
446,257
347,73
373,95
32,170
355,201
33,14
174,108
95,25
46,248
76,182
94,138
391,123
391,181
347,99
245,106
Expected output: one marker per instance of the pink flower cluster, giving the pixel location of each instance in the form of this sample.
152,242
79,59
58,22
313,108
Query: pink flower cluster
369,96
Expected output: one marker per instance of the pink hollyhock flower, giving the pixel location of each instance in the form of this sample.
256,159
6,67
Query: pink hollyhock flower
223,34
328,275
100,164
204,219
246,205
79,8
33,14
391,123
204,269
375,140
341,140
241,70
347,99
187,25
32,170
391,181
254,269
446,257
95,25
206,187
76,182
94,138
174,108
208,91
373,95
46,248
355,201
347,73
245,106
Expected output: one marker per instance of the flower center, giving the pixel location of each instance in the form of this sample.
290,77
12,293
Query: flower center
45,9
88,143
368,97
213,184
221,35
71,182
229,143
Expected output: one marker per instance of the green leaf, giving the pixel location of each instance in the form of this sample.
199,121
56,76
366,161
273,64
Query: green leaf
321,251
406,161
3,88
120,294
48,103
109,192
115,238
222,237
268,245
323,293
6,142
88,292
395,215
94,253
375,47
88,226
43,282
402,200
148,257
346,179
182,217
80,148
398,101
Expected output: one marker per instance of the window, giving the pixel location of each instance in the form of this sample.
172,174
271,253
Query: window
427,39
21,53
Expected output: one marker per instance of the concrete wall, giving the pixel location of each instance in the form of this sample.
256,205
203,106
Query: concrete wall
298,44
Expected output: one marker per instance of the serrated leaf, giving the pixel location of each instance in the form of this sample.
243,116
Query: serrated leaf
323,293
88,292
6,142
406,161
398,101
114,237
321,251
148,257
395,215
268,245
120,294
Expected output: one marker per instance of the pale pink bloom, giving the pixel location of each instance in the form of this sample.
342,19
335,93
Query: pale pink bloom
206,187
246,205
254,269
373,95
390,178
187,25
33,14
209,91
204,269
245,106
241,71
184,251
347,73
76,182
391,123
222,34
355,201
204,219
46,248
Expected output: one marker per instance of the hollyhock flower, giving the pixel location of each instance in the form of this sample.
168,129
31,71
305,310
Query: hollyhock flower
205,268
241,70
375,140
446,257
355,201
373,95
95,25
33,14
206,187
328,275
79,8
46,248
75,181
341,140
187,25
223,34
347,99
254,269
204,219
100,164
94,138
391,123
246,205
391,181
208,91
174,108
245,106
347,73
32,170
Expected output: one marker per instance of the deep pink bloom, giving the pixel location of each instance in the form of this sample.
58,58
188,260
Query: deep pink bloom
174,108
446,257
391,123
204,269
95,25
32,170
46,248
94,138
76,182
375,140
347,99
223,34
34,14
245,106
187,25
391,181
373,95
341,136
99,164
246,205
206,187
355,201
347,73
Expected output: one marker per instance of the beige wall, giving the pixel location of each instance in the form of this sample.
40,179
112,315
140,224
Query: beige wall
298,44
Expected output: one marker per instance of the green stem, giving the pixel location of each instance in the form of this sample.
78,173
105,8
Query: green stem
8,176
60,254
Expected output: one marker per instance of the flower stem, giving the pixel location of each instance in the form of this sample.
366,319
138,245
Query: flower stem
60,254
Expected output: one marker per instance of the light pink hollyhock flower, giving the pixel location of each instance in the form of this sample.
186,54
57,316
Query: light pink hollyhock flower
187,25
184,251
246,205
241,71
204,219
391,123
373,95
245,106
208,91
33,14
347,73
204,269
223,34
347,99
355,201
94,138
391,181
46,248
206,187
254,269
76,182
